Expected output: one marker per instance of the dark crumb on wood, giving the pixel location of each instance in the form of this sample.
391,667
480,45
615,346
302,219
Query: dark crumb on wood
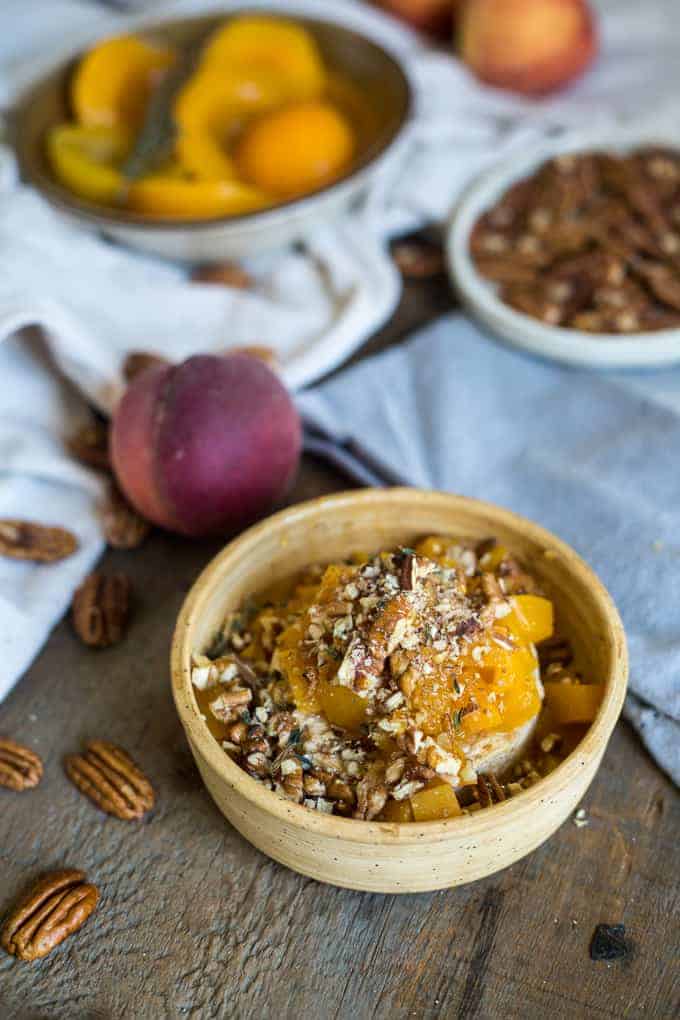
609,942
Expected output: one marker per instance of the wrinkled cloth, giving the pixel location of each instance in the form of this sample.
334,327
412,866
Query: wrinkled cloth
593,458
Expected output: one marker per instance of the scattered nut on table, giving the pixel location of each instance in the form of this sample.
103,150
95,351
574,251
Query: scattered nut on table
101,609
56,907
26,540
111,779
20,768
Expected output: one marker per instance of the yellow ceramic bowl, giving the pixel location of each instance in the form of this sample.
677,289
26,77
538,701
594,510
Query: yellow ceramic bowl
373,71
385,856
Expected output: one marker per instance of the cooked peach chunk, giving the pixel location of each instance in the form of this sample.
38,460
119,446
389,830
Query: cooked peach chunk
397,811
573,703
436,801
342,707
531,619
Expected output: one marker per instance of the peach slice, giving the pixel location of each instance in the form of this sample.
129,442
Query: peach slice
258,44
529,46
113,82
218,103
86,160
166,196
202,156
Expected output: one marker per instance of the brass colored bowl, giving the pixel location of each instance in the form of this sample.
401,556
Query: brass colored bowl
389,856
380,125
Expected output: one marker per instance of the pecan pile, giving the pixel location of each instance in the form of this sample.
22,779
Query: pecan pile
589,242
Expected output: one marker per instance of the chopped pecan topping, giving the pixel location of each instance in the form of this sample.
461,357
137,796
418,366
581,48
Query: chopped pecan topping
101,608
26,540
109,777
20,768
371,798
56,907
555,650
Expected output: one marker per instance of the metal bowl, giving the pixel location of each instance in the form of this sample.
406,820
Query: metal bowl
374,72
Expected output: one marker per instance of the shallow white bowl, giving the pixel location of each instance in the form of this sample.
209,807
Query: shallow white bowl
572,346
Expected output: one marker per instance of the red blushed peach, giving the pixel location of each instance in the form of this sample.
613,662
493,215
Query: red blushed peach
434,16
529,46
206,446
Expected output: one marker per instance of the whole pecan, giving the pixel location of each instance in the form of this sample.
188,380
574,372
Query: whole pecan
26,540
90,445
137,362
418,259
101,608
123,527
109,777
20,768
228,274
56,907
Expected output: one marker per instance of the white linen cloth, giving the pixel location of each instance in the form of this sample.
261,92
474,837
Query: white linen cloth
94,300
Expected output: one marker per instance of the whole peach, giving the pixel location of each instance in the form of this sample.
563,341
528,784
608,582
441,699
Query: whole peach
434,16
205,446
529,46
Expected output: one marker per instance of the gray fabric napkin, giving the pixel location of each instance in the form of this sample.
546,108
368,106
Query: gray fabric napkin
593,457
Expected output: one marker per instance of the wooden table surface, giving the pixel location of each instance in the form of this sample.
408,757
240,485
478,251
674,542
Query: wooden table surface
193,922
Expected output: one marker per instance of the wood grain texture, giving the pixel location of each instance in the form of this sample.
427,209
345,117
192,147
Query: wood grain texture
194,923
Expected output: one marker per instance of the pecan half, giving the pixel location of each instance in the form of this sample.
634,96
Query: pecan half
90,445
123,527
26,540
56,907
20,768
109,777
137,362
101,608
490,790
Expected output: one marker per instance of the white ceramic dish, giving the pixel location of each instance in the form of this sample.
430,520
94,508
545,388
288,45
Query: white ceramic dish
641,350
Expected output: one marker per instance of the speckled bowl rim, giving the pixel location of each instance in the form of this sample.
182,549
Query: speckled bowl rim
99,216
475,826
